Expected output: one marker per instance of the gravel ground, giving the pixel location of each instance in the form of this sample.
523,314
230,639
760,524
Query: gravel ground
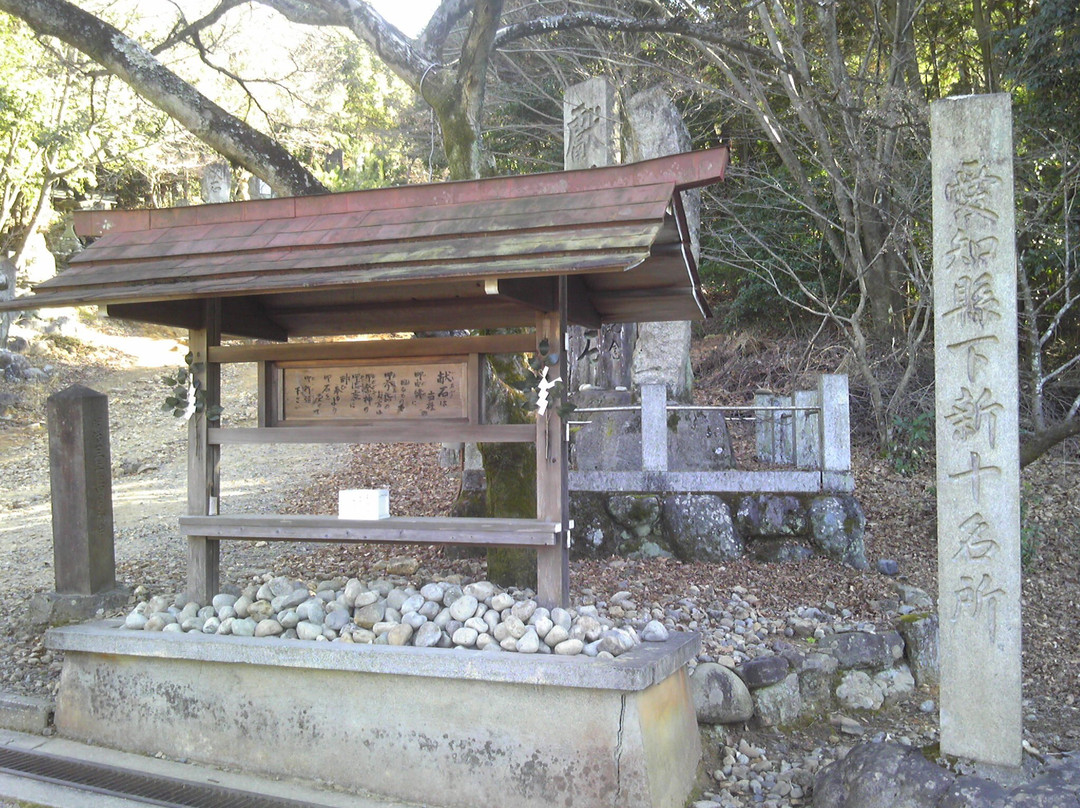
149,473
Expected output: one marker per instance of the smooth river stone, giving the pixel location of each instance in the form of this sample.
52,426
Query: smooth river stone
529,643
427,635
481,590
465,637
312,610
306,630
136,621
561,617
433,592
654,631
463,608
261,610
288,618
337,619
365,598
543,626
556,635
211,625
503,600
223,599
523,610
268,628
399,634
516,628
243,603
412,604
369,615
569,647
477,623
243,628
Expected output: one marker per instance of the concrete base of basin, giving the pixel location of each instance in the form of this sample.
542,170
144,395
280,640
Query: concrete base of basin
433,726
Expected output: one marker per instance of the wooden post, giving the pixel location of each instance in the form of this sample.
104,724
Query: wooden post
552,502
203,459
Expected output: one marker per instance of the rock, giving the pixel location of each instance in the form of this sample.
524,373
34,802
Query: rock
637,514
881,775
306,630
557,634
913,596
528,643
569,647
399,634
654,631
560,617
243,628
895,683
242,604
857,691
195,623
477,623
763,671
427,636
365,598
288,619
699,528
268,628
261,610
465,637
404,565
395,598
847,725
523,610
136,621
720,696
779,704
463,608
227,625
887,566
311,610
337,619
920,633
222,600
172,628
211,625
433,592
614,642
816,672
501,601
158,621
368,616
414,619
858,650
353,588
481,590
413,603
770,515
837,524
283,585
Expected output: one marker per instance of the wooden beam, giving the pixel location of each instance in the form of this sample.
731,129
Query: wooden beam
552,501
579,306
375,349
407,530
538,294
389,432
203,480
247,317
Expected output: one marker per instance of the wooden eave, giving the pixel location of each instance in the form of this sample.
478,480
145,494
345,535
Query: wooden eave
478,254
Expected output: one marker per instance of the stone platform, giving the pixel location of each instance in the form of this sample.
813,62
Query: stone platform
433,726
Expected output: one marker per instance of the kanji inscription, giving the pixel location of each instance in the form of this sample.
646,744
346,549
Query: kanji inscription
374,392
975,333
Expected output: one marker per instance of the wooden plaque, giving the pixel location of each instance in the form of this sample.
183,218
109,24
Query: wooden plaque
364,391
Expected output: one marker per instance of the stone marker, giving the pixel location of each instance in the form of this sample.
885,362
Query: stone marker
590,140
80,473
217,183
662,350
978,494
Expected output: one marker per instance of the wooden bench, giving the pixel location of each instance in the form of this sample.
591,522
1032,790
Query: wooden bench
397,530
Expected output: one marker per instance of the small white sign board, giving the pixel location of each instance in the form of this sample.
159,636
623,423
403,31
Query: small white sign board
364,503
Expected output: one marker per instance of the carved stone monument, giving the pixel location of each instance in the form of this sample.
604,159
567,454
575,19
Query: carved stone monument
662,350
217,183
80,472
978,489
590,139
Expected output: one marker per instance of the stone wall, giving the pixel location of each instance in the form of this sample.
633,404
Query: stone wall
718,527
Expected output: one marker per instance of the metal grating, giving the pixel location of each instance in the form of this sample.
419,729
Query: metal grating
131,784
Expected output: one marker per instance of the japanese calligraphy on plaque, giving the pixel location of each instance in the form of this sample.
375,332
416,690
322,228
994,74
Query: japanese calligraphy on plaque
372,392
975,335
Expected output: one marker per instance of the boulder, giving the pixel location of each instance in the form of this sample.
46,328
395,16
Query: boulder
881,775
771,515
780,704
698,527
763,671
817,673
857,691
920,633
837,524
861,649
720,696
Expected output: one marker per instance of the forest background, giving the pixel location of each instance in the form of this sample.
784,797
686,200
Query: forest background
822,228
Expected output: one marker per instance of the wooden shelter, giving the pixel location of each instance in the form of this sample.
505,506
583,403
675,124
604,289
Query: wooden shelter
535,252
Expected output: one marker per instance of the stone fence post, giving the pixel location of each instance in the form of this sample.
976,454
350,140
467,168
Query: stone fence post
835,429
654,431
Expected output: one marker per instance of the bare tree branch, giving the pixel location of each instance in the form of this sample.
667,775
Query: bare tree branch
131,62
179,34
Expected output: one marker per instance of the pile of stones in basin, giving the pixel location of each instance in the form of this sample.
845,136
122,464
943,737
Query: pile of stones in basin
439,615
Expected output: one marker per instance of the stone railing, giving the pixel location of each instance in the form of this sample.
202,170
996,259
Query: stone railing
687,448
